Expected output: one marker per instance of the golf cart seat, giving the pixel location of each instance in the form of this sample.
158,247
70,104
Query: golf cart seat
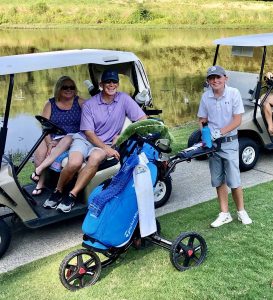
246,83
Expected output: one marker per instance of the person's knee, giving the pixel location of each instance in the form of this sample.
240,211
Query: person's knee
96,158
74,163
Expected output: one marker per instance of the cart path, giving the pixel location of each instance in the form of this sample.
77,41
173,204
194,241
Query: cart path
31,244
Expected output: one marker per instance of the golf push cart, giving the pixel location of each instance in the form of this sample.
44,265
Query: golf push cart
253,132
15,199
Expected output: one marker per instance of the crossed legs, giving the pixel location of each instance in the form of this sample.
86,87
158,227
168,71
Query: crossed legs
42,161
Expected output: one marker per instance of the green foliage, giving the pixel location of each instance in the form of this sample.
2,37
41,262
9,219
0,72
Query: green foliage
39,8
168,13
141,14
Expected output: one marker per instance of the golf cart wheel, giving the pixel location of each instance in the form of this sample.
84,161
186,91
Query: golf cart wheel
248,153
79,269
187,251
5,237
162,191
195,138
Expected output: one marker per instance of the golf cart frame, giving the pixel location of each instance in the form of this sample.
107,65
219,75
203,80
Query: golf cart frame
253,134
18,199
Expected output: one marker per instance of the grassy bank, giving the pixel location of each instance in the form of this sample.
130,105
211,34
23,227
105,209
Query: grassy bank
159,13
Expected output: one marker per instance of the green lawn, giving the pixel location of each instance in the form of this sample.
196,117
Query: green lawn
239,263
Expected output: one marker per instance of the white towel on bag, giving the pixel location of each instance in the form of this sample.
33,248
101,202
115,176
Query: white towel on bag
145,196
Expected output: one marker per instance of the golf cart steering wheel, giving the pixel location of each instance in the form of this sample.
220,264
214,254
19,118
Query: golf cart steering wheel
49,126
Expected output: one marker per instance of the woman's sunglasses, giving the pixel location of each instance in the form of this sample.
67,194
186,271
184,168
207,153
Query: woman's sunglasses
68,87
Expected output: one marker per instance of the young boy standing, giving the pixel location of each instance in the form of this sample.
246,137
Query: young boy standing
222,107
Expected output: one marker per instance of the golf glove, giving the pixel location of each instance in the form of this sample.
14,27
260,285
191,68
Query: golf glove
216,134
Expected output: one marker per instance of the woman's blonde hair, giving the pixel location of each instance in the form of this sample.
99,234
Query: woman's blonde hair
60,83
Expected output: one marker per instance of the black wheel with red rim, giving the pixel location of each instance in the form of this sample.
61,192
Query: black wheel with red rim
188,250
79,269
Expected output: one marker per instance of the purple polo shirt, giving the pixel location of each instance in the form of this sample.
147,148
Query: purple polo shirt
106,120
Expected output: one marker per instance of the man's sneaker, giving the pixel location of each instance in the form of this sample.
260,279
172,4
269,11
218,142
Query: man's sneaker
67,203
53,200
222,219
243,217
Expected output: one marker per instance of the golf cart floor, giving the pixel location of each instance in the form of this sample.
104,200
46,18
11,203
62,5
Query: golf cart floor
47,215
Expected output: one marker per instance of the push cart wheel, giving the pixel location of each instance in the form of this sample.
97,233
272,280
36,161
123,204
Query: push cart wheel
79,269
188,250
5,237
162,191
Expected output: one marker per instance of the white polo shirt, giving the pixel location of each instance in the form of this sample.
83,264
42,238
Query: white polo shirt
220,111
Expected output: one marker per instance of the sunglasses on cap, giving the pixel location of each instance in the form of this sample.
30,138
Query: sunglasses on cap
110,80
68,87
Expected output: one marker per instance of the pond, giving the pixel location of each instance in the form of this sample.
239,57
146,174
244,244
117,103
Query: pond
175,60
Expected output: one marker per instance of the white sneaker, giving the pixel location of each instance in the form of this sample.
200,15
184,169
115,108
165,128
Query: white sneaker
243,217
222,219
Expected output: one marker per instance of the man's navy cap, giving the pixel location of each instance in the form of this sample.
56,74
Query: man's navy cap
216,70
109,74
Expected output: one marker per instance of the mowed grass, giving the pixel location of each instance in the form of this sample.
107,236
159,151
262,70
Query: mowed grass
239,263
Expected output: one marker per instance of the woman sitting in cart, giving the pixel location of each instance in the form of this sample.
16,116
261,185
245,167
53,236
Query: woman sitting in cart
64,109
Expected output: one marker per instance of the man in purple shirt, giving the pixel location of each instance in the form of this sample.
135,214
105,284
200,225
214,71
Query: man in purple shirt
101,121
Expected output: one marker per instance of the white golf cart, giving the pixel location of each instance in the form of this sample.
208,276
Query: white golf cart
15,199
253,134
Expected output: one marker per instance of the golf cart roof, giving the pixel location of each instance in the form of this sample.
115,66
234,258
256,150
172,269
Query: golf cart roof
252,40
58,59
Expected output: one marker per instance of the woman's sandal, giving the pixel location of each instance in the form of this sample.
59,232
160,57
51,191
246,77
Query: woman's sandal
38,191
35,177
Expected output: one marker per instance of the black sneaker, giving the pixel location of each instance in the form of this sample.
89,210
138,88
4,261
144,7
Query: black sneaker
67,203
53,200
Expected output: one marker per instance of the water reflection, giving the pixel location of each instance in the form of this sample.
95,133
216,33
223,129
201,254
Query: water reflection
175,61
23,132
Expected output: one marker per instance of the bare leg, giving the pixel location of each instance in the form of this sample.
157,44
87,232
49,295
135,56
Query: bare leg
89,171
62,146
40,154
237,195
222,193
267,107
74,164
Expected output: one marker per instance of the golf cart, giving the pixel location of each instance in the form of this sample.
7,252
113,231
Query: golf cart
16,200
253,134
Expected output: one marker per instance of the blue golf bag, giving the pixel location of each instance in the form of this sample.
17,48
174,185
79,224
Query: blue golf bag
112,215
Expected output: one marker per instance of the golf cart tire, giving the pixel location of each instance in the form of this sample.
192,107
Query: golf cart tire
5,237
165,190
248,153
195,138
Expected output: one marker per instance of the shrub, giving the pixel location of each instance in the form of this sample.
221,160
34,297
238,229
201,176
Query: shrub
39,8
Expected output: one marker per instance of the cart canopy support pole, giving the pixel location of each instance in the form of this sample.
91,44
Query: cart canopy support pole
4,128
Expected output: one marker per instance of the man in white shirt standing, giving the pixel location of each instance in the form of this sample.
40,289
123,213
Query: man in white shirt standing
222,107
